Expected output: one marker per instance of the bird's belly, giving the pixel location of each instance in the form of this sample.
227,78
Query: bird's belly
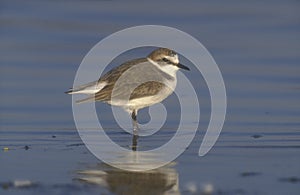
146,101
138,103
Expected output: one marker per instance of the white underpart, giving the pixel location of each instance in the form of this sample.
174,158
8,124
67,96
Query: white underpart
169,69
139,103
92,89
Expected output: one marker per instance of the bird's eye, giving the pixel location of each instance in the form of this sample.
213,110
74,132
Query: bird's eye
165,59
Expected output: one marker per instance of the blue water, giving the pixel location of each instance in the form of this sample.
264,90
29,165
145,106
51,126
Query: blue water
256,45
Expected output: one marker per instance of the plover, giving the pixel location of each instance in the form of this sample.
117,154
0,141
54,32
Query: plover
135,84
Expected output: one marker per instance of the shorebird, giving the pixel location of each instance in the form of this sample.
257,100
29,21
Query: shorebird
135,84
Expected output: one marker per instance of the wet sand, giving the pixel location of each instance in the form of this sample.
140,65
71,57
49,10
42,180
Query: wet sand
57,162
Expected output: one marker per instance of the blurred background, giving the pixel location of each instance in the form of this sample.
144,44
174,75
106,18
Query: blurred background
256,45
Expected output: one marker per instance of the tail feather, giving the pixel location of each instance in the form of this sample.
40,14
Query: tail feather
90,88
70,91
85,100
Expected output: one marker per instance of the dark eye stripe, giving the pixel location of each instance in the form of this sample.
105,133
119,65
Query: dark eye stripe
165,60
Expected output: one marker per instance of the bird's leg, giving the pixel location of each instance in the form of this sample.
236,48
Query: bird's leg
135,130
134,122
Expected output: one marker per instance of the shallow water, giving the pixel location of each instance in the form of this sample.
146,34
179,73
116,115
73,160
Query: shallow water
257,50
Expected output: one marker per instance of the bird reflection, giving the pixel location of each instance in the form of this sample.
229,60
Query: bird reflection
134,142
163,180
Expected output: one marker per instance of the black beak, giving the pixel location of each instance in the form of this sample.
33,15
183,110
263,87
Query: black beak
182,66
